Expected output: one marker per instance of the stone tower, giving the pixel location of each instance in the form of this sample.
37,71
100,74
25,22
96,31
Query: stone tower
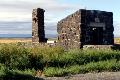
38,33
86,27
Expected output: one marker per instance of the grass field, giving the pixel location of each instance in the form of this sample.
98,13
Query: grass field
54,61
117,40
14,40
19,59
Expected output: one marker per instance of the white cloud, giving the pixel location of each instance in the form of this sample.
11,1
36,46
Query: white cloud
116,29
15,28
22,9
24,28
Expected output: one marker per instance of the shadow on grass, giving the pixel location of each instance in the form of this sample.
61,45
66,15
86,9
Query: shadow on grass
116,47
17,76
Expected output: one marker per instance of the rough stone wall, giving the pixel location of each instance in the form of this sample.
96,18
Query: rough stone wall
77,29
69,31
38,33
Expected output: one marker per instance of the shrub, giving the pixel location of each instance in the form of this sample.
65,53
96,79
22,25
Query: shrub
2,69
54,71
14,56
110,65
55,61
81,57
18,75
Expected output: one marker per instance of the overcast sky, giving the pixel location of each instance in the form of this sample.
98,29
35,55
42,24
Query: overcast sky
15,15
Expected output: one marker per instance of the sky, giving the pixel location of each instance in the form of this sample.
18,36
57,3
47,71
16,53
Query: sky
16,15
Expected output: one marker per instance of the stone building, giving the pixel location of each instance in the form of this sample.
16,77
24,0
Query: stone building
86,27
38,33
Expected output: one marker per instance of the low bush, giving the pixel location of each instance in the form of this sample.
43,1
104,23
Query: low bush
18,56
18,75
2,69
110,65
81,57
55,61
14,56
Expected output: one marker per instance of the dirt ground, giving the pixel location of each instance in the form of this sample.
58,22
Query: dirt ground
90,76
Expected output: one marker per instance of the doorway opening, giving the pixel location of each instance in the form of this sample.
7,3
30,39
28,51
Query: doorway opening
96,35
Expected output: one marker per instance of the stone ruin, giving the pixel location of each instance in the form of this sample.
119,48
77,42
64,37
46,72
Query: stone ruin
84,27
38,32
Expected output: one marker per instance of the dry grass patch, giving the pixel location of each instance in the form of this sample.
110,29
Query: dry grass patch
15,40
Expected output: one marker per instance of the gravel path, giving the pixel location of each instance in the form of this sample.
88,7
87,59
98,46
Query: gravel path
90,76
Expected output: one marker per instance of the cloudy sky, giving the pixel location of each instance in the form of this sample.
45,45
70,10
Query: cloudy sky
15,15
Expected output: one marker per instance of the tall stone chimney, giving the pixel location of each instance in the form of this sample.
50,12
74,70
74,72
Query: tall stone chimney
38,33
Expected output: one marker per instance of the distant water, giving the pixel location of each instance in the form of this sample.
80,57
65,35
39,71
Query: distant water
29,36
24,35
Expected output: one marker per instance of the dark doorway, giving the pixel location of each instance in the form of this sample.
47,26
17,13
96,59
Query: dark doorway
97,36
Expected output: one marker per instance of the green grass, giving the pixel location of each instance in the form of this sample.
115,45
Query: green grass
110,65
23,58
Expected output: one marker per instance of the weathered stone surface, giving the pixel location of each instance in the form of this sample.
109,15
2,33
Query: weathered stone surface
97,47
38,33
86,27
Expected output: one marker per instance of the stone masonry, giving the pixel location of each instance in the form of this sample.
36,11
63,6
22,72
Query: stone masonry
38,33
86,27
